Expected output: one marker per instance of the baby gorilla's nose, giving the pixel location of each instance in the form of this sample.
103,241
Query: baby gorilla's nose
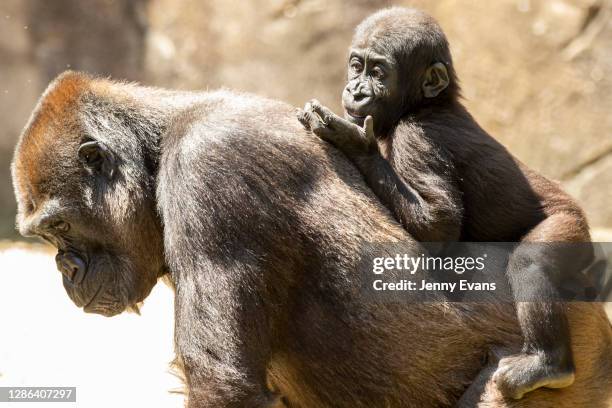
358,96
71,266
360,93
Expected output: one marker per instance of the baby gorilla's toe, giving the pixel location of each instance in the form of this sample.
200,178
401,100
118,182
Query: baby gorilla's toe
520,374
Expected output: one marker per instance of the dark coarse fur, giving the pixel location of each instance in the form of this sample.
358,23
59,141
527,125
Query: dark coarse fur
259,225
445,179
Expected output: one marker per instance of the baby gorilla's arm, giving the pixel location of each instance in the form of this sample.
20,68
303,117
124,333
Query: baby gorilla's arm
426,204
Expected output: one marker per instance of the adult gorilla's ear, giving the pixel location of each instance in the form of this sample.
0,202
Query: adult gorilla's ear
97,158
436,80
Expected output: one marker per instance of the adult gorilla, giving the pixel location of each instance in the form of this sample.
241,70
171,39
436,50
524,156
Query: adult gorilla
260,226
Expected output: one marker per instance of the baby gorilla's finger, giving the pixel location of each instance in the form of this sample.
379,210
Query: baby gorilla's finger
302,118
326,115
309,107
368,127
313,102
312,122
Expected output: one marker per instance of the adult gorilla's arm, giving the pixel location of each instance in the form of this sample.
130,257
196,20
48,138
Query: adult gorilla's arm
225,353
221,330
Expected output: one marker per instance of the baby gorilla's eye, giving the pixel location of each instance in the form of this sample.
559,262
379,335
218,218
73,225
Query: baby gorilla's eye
356,66
378,73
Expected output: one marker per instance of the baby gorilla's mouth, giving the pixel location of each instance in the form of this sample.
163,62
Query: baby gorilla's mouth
355,115
361,98
355,118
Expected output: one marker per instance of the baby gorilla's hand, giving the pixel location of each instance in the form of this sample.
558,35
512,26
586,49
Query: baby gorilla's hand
346,136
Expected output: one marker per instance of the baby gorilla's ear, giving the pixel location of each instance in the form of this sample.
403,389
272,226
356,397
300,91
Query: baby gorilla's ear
97,159
436,80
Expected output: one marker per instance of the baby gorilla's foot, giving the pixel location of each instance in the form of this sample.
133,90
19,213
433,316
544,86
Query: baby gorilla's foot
519,374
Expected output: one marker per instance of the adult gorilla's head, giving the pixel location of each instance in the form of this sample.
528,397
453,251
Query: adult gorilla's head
83,173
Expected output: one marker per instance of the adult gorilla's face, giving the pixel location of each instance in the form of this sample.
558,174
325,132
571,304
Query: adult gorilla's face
83,197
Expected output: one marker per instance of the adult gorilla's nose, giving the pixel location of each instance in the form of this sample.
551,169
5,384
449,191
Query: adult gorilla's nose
71,266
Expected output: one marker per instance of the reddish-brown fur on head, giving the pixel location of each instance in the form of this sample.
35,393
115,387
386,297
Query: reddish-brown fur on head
52,132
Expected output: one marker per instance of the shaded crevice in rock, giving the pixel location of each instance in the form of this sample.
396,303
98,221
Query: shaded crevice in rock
585,166
596,19
592,187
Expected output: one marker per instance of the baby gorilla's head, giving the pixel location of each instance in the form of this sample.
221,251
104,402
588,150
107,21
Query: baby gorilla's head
399,61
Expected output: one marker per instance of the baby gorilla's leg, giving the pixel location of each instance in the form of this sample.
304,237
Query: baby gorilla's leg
536,270
546,359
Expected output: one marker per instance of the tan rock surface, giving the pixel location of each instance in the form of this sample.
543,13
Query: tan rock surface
536,73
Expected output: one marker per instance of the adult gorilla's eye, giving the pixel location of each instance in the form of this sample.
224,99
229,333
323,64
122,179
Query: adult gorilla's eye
96,157
61,226
93,158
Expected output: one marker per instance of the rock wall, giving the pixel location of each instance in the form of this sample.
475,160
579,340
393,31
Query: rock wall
535,73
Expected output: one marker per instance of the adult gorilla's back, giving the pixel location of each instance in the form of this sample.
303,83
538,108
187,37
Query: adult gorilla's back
281,218
262,226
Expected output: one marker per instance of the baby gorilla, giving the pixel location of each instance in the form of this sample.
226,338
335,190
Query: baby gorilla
445,179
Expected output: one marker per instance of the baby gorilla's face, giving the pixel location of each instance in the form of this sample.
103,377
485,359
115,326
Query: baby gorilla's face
372,86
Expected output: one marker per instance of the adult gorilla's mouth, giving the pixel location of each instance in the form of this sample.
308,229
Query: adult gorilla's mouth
103,304
92,300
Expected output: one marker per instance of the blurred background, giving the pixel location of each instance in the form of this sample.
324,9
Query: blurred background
537,74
